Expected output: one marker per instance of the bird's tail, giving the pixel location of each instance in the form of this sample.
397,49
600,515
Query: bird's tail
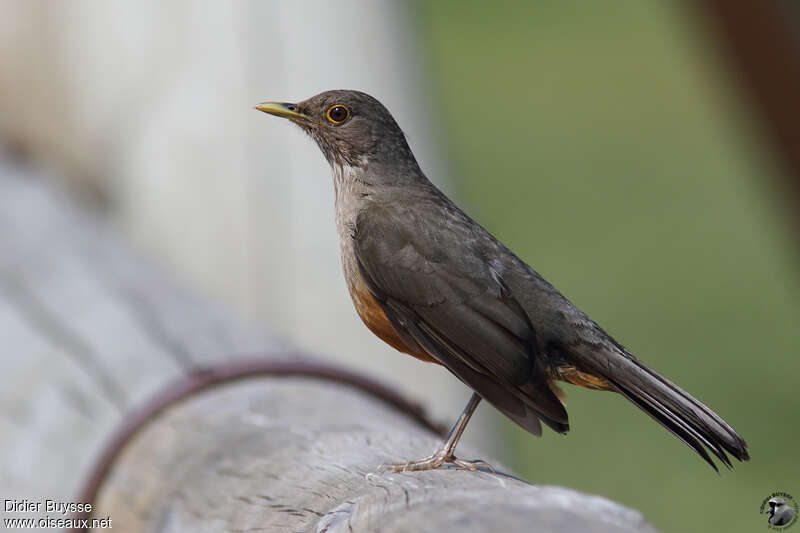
675,409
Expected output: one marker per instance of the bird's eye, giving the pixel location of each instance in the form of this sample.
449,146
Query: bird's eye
338,114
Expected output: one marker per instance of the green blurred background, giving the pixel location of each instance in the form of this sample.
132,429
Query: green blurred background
608,143
610,147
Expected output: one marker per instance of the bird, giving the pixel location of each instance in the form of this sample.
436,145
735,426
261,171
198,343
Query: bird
780,514
432,283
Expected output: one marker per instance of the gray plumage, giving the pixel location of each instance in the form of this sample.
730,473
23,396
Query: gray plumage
453,291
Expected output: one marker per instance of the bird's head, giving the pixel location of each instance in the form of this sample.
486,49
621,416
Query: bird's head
350,127
776,503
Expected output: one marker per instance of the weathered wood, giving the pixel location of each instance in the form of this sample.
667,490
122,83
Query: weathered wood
90,332
300,455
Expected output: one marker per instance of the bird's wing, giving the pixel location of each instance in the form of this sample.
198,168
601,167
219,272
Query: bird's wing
436,289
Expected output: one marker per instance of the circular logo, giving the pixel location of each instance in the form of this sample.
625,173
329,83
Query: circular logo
781,510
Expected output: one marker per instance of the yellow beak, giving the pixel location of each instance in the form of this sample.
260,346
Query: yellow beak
281,110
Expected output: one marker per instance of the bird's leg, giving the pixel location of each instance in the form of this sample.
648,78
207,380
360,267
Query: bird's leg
445,454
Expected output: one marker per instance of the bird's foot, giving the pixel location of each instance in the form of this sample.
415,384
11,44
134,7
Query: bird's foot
446,453
433,462
475,464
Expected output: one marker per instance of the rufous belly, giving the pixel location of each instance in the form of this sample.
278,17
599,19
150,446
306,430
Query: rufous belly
375,319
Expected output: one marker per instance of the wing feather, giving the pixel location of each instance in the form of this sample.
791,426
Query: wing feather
437,290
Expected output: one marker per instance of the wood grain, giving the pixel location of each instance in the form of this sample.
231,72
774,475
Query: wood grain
91,331
300,455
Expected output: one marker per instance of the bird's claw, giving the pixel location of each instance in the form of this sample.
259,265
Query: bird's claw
475,464
433,462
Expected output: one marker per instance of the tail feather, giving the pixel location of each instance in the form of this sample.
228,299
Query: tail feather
676,426
686,417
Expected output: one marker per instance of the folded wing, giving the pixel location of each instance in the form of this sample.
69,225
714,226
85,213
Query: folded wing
438,291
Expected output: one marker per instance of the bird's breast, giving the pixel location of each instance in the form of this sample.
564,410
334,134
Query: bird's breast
367,307
351,198
371,313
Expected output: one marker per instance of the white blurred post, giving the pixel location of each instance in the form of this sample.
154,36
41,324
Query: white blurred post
150,102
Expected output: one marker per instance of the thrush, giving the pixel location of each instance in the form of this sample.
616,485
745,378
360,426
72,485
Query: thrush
433,283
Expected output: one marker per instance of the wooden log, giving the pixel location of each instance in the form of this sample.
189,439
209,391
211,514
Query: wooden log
88,332
296,454
267,441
